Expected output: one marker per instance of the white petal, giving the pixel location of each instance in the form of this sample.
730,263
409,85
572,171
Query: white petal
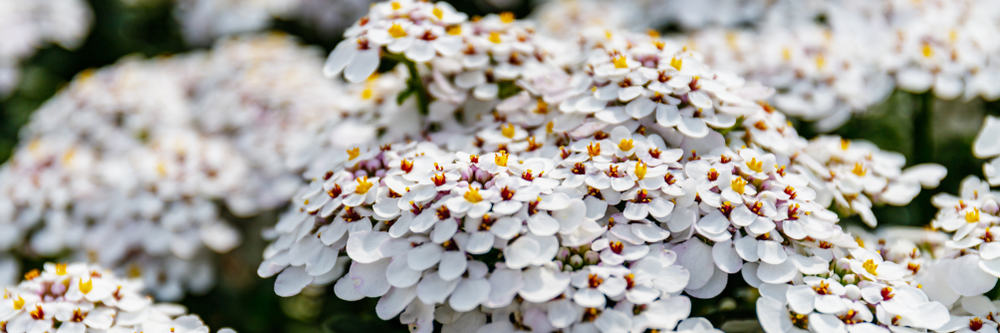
339,58
364,63
469,294
987,142
291,281
452,265
779,273
394,302
542,284
725,257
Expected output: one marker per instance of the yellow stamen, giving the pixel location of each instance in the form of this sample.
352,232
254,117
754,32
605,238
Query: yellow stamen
438,13
60,269
620,62
640,170
472,195
625,144
508,131
353,153
676,63
755,165
455,30
68,156
501,158
594,149
86,287
870,266
161,169
495,37
395,5
738,185
972,216
859,169
927,51
397,31
363,185
786,53
18,303
507,17
820,61
844,144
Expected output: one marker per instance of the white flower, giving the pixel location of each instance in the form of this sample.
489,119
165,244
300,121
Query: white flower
86,297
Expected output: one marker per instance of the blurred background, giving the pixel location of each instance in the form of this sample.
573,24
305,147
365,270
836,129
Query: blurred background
148,28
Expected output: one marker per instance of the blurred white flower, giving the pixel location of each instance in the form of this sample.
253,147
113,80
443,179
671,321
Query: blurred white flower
80,297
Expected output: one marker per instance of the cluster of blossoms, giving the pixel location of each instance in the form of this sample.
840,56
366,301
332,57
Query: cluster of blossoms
136,174
87,298
970,246
30,25
862,51
591,183
827,60
203,21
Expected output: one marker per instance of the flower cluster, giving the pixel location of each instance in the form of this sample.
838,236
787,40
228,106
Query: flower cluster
135,173
85,298
828,60
596,182
29,25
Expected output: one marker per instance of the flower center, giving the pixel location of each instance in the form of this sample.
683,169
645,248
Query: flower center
859,169
501,158
738,185
594,149
676,63
972,216
620,62
363,185
508,131
472,195
397,31
640,170
755,165
870,266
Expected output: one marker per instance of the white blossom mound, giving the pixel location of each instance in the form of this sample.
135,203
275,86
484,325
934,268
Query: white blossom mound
203,21
30,25
87,298
826,60
590,183
137,174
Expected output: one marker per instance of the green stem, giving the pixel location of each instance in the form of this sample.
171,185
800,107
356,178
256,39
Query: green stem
416,83
923,127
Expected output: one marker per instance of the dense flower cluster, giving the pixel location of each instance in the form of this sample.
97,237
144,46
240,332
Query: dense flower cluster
135,173
202,21
87,298
828,59
30,25
493,174
595,182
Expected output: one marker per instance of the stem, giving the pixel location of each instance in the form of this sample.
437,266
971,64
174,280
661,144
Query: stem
416,83
923,127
